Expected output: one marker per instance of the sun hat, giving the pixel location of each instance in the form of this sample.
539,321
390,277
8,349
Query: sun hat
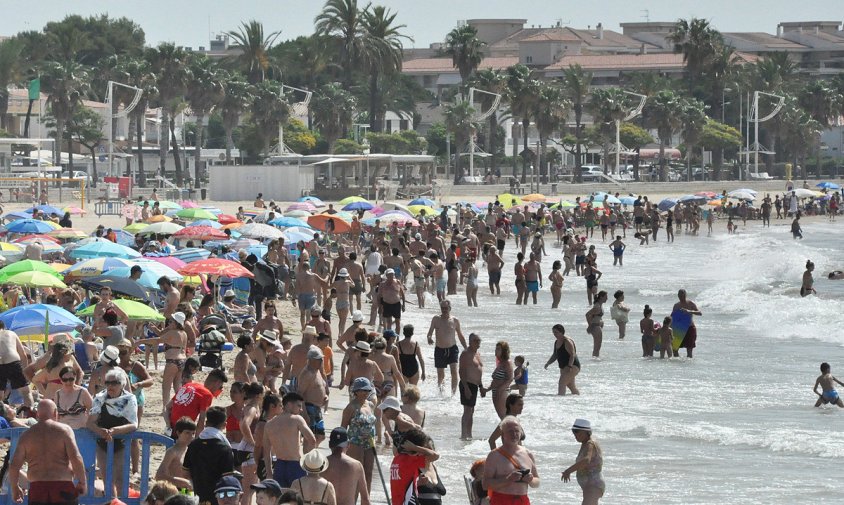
109,354
314,462
270,335
390,271
309,330
581,425
363,346
343,273
357,316
361,384
314,353
179,317
228,294
390,402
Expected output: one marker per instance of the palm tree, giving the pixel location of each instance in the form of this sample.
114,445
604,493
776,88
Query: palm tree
170,66
458,122
823,104
465,49
333,109
493,81
10,53
799,132
254,47
66,84
383,59
693,119
238,96
522,93
341,20
775,73
576,82
269,109
206,91
607,105
550,111
698,42
664,112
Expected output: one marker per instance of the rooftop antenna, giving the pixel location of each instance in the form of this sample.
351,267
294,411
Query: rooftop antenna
647,15
480,116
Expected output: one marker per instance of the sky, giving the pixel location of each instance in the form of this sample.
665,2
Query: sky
190,22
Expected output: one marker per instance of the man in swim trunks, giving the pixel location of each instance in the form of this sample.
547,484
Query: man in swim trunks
307,284
510,470
53,461
13,360
311,386
533,276
283,437
391,292
827,382
446,353
471,377
688,306
494,264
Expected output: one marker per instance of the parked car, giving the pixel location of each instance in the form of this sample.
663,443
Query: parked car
592,173
78,175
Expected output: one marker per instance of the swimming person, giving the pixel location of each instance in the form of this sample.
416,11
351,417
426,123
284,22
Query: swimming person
827,382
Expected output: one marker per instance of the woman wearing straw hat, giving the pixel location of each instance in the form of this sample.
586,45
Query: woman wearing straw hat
312,485
590,461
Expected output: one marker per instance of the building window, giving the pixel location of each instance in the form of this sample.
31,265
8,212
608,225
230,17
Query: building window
528,59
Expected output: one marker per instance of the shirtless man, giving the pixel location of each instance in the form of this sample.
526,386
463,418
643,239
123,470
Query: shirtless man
494,264
417,267
319,324
347,339
688,306
518,221
446,353
361,366
269,321
283,438
12,362
533,276
171,469
297,357
344,472
438,275
269,357
323,269
311,386
53,461
511,469
391,292
471,377
307,284
358,278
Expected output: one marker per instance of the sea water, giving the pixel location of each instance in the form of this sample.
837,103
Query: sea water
736,424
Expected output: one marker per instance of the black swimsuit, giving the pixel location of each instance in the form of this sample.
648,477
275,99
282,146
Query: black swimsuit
563,357
409,365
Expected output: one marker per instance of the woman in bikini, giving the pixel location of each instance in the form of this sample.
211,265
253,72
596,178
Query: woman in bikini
244,369
521,285
174,339
253,396
556,279
471,282
315,490
410,356
391,372
48,379
341,287
234,413
595,322
72,400
502,378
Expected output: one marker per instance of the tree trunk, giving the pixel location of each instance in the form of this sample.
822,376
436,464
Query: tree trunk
578,147
57,145
513,134
636,165
525,126
663,168
163,142
93,164
177,160
374,125
4,107
142,178
197,152
229,144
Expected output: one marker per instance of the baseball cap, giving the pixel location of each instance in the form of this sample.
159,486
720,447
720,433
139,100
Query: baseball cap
339,438
314,353
268,485
357,316
228,483
361,384
390,333
390,402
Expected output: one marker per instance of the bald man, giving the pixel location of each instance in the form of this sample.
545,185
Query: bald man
53,461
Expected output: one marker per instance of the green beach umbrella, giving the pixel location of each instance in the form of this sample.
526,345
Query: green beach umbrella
135,311
20,267
168,205
135,227
35,280
196,214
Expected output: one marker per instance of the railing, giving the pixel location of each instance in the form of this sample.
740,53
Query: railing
87,443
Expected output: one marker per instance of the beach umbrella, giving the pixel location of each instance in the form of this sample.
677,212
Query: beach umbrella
306,206
95,267
188,204
666,204
742,195
693,199
168,205
135,311
297,214
243,243
742,191
75,210
7,247
259,250
627,200
564,204
67,233
124,238
351,199
196,214
715,203
216,266
34,319
827,185
508,200
172,262
200,233
190,254
206,222
610,199
151,271
210,208
359,206
416,210
47,246
320,222
123,287
29,238
100,249
47,209
14,216
295,234
135,227
423,201
160,229
35,280
316,202
806,193
19,267
287,222
232,226
534,197
395,206
259,231
29,226
161,218
59,267
399,217
227,219
707,194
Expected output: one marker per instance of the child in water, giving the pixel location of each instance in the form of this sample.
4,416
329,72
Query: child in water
665,338
520,375
646,326
827,382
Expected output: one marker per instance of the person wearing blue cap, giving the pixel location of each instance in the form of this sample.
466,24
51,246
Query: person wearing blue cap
359,419
267,492
227,491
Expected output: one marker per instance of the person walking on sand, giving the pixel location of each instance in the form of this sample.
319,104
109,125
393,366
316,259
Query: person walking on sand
565,354
589,463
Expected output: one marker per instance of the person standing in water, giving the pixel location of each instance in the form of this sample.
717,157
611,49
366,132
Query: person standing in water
565,354
617,247
556,279
620,313
808,280
685,305
827,383
589,463
595,323
796,230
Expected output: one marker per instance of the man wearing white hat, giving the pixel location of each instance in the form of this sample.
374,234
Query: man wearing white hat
297,357
347,338
342,287
313,487
510,470
361,366
590,462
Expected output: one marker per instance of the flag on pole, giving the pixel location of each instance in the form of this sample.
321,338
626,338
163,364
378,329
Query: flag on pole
47,331
35,89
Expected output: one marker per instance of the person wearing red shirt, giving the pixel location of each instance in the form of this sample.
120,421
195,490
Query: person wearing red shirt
193,399
410,458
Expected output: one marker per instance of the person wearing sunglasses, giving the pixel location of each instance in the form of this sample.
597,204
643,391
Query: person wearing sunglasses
227,491
72,400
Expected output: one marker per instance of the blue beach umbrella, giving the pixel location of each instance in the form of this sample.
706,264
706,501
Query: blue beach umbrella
423,201
96,266
191,254
627,200
359,206
14,216
104,249
666,204
827,185
314,200
33,319
47,209
287,222
28,226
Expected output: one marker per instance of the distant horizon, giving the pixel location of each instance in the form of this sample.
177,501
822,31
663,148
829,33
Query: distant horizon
165,21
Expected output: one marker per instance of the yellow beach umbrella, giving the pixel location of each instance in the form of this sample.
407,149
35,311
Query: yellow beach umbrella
509,200
534,197
36,279
417,210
